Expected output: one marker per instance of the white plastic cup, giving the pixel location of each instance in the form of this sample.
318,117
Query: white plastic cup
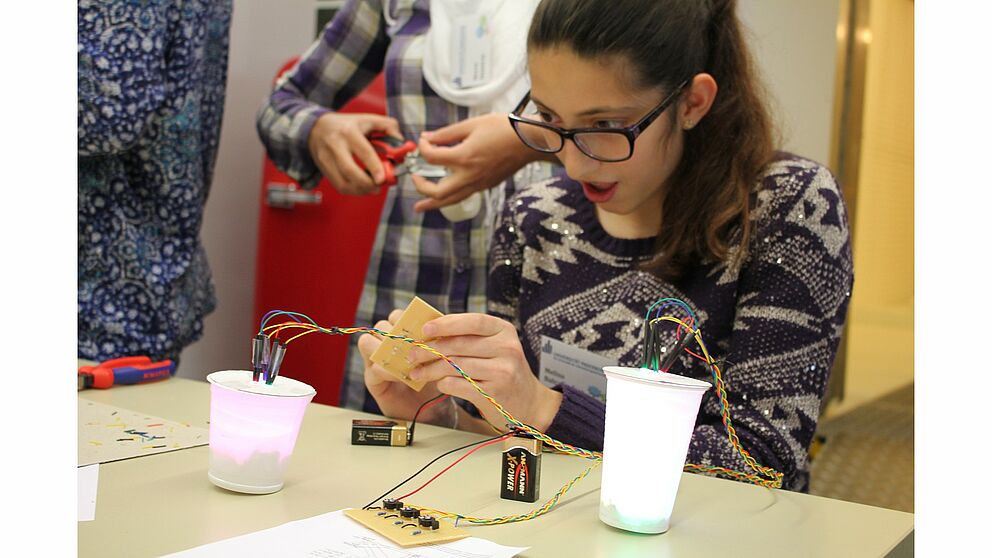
253,429
650,417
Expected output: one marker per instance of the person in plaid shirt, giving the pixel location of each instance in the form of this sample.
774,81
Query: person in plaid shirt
417,251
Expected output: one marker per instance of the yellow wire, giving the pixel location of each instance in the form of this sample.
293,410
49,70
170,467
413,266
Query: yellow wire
775,477
513,518
597,457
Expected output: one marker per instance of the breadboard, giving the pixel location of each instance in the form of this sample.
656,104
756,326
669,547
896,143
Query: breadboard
384,522
393,354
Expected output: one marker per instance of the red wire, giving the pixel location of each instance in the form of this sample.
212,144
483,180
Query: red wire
432,403
473,450
697,356
690,332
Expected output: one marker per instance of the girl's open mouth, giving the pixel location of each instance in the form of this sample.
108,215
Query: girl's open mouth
599,192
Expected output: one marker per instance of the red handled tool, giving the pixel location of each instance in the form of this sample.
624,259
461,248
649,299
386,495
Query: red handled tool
401,157
125,370
397,156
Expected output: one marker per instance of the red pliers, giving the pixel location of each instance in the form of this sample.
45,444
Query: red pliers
398,156
401,157
124,370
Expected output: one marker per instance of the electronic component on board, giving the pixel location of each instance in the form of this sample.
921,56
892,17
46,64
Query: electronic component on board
378,432
520,477
429,522
407,531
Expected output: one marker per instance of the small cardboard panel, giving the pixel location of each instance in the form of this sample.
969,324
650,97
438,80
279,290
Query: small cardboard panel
393,355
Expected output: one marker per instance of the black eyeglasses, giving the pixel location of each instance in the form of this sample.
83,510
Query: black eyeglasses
610,145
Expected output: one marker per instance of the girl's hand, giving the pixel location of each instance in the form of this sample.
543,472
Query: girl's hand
337,138
395,398
479,153
489,351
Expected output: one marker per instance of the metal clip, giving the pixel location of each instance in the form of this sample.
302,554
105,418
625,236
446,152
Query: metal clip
285,196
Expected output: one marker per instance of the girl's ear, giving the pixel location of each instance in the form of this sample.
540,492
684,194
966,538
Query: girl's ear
697,100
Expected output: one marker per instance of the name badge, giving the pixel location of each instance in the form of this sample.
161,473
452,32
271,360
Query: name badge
471,51
579,368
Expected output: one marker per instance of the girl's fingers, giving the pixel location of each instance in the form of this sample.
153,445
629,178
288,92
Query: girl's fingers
381,325
460,388
459,347
452,133
367,344
465,324
459,191
479,369
394,316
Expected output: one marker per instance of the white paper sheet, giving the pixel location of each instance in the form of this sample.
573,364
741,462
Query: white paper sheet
86,485
336,535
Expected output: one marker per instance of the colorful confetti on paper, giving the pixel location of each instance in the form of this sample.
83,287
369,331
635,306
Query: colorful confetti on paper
107,433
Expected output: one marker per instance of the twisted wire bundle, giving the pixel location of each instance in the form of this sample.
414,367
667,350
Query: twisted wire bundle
763,476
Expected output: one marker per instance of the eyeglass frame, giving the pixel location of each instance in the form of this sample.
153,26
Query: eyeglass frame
631,132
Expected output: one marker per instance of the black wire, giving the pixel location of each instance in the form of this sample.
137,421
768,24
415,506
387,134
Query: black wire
422,469
413,423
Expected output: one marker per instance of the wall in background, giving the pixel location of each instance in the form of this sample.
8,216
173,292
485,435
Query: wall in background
263,36
880,337
795,45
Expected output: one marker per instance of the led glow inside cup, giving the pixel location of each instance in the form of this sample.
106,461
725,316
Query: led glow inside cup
650,417
253,429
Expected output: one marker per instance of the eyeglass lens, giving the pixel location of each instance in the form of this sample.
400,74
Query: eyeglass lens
602,146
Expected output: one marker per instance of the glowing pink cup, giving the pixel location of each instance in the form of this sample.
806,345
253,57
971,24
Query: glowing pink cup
253,429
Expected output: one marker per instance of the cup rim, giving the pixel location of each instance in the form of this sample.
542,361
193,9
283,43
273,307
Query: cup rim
656,378
218,378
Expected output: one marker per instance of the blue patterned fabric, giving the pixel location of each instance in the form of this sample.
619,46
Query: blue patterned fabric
151,78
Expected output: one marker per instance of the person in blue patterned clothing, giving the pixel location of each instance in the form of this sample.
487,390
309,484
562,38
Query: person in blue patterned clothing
674,189
151,82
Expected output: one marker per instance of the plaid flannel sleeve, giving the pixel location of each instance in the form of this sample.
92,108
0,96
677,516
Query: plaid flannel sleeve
348,55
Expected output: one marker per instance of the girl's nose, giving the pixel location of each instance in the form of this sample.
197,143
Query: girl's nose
577,164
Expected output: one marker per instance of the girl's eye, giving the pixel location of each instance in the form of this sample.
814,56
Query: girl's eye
544,116
608,124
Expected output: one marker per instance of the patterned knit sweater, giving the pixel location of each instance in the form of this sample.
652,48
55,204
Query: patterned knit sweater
775,319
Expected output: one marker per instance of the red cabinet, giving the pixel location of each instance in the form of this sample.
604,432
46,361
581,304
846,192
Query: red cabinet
313,250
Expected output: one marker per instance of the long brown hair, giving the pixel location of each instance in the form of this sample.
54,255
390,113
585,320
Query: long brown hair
666,42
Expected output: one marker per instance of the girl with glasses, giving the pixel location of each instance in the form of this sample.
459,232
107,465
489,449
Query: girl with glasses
673,189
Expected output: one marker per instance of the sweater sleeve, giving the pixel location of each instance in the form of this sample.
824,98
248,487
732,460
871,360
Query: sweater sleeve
347,57
792,301
581,419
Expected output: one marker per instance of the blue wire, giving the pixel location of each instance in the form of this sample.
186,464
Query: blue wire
665,303
272,313
660,306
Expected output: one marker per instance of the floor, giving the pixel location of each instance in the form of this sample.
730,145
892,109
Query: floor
865,454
